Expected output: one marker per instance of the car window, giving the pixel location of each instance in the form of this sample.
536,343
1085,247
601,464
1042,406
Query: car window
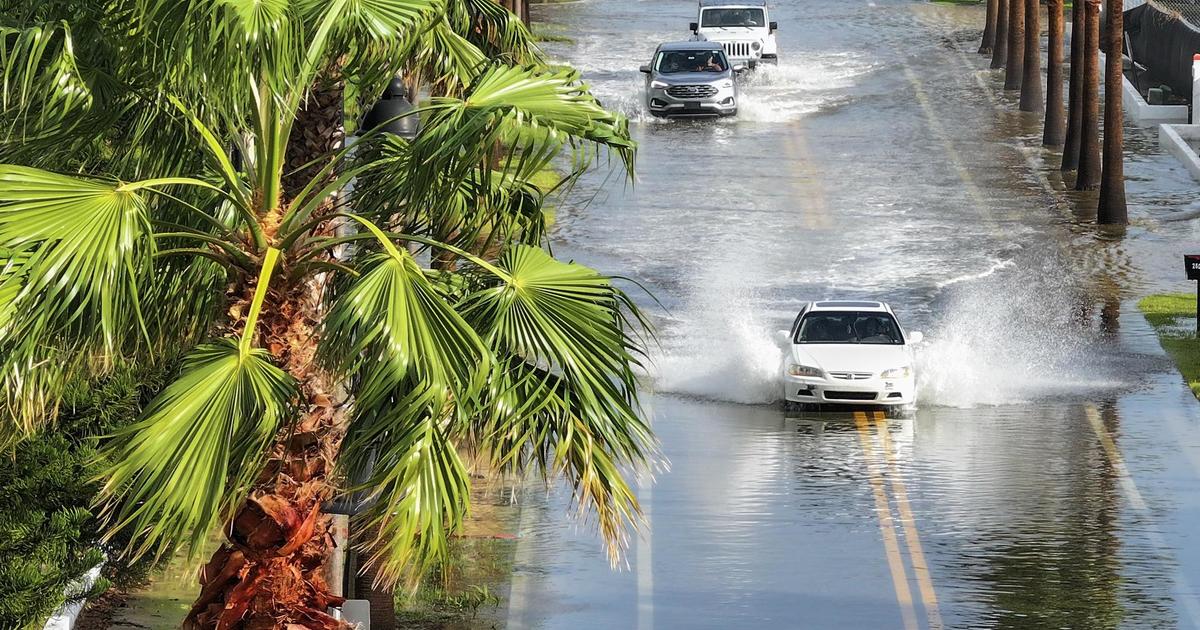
675,61
732,17
849,327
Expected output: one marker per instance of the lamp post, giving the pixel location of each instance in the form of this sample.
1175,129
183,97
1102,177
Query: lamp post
389,112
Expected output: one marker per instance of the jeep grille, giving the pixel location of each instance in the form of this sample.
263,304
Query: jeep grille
737,49
692,91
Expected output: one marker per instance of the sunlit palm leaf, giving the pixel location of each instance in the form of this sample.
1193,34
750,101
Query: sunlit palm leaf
88,251
566,394
422,493
200,445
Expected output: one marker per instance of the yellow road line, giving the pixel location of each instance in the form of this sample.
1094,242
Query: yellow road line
886,528
911,538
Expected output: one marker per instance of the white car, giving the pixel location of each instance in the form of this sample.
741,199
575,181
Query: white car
742,27
849,353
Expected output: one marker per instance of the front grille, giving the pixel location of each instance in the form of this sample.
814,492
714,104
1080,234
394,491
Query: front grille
852,376
737,49
849,395
692,91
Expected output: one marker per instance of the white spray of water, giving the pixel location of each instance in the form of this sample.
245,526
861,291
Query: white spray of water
718,347
1011,338
1000,336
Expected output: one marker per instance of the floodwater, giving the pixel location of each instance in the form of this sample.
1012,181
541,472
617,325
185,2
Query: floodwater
1050,476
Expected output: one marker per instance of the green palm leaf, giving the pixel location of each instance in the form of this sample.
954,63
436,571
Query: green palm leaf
199,447
43,93
565,396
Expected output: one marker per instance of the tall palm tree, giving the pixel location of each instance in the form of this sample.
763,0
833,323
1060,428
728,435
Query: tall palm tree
1112,209
989,28
1015,64
1070,159
1055,129
1000,41
146,212
1031,74
1088,176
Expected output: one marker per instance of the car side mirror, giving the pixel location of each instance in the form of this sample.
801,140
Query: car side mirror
693,26
645,69
774,26
784,335
916,337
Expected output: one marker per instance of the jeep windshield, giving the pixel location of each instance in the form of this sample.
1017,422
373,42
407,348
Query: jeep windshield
676,61
712,18
849,327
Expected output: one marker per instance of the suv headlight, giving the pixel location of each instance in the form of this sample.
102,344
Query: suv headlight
659,84
899,372
755,46
727,84
804,370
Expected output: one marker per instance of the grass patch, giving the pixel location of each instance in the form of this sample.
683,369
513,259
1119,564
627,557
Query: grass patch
554,38
1169,314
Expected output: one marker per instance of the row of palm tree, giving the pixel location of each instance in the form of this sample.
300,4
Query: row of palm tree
175,189
1012,35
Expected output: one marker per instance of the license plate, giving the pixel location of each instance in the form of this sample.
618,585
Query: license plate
692,107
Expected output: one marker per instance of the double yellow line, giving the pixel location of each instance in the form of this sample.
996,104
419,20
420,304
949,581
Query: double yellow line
887,526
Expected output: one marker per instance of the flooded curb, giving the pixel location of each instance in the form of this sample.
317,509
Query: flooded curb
1173,317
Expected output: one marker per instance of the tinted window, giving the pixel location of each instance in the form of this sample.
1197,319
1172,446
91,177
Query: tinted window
732,17
849,327
674,61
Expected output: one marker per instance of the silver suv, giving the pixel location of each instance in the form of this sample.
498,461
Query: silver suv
691,79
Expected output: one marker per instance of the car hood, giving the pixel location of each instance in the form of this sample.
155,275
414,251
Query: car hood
733,34
692,78
850,357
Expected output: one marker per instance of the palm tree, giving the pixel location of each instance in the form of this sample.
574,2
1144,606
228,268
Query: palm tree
1088,177
146,213
1055,128
1031,74
1070,159
989,29
1112,209
1000,41
1015,64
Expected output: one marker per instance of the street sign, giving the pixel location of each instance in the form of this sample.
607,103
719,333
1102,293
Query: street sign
1191,266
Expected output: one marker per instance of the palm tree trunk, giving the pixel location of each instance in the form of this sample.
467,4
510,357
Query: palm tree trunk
270,572
1015,64
1089,130
1112,209
1070,160
989,29
1031,83
1000,41
1055,129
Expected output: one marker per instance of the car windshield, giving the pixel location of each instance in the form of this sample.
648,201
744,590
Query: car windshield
849,327
732,17
675,61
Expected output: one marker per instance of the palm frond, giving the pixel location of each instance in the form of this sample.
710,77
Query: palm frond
565,396
199,447
43,93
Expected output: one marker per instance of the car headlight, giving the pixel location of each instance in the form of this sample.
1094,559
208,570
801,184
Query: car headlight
755,46
727,84
804,370
658,84
899,372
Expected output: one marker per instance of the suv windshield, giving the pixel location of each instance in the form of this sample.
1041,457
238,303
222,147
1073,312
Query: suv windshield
732,17
674,61
849,327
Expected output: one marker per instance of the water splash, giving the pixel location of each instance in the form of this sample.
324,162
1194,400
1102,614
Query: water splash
1011,337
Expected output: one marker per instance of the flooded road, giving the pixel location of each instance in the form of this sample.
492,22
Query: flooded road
1050,477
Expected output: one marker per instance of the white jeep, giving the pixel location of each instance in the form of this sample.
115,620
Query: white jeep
742,27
